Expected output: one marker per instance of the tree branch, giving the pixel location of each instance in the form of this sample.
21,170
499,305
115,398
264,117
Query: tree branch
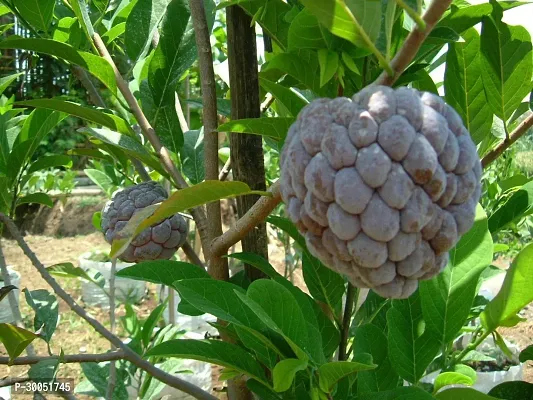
412,44
67,359
129,354
224,172
151,136
112,367
347,318
217,266
255,215
520,130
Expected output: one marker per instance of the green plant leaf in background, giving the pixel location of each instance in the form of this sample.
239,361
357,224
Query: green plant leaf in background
192,156
141,25
68,30
329,374
273,127
46,162
451,378
411,347
517,206
15,339
516,390
506,58
97,381
462,394
36,198
305,32
38,13
284,372
514,294
8,80
113,33
401,393
46,311
151,322
164,272
526,354
68,270
290,100
463,85
212,351
96,65
447,298
101,179
4,291
329,63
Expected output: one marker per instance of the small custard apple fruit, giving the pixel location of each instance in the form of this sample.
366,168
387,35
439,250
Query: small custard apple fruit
382,186
158,242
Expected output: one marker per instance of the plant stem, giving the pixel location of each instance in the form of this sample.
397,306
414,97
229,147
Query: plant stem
67,359
413,14
129,354
470,347
346,320
112,366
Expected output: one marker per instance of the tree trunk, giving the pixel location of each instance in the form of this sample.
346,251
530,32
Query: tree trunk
246,150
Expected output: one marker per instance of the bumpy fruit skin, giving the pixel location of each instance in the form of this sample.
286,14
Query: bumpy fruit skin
382,186
158,242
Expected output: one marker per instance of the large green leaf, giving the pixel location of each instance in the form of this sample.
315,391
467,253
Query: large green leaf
212,351
371,340
506,65
305,32
447,298
451,378
68,30
96,65
192,156
463,85
329,374
36,198
517,206
329,63
46,162
68,270
8,80
517,390
184,199
38,13
401,393
98,381
164,272
284,372
290,99
151,322
275,128
514,294
368,13
101,179
411,347
141,25
46,310
88,113
15,339
462,394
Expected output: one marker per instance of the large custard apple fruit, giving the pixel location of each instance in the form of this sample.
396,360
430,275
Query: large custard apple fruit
382,186
158,242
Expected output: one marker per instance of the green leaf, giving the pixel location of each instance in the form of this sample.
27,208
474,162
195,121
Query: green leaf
212,351
451,378
96,65
411,347
517,206
151,322
116,31
101,179
447,298
273,127
98,376
155,387
329,63
401,393
368,13
526,354
68,31
38,13
514,294
46,162
46,310
349,62
517,390
141,25
8,80
81,10
87,113
264,392
44,370
4,291
68,270
223,105
305,32
284,372
36,198
164,272
192,156
290,99
506,58
371,340
464,87
462,394
329,374
15,339
97,220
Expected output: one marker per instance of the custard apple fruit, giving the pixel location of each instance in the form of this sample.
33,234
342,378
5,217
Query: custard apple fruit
158,242
382,186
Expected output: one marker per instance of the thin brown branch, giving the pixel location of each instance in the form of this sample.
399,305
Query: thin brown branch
191,255
151,136
224,172
414,40
112,367
255,215
346,320
86,82
217,266
67,359
181,116
129,354
520,130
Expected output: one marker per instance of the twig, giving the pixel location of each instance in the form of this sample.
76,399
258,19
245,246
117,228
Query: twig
413,42
67,359
269,99
516,134
350,296
149,133
181,116
191,255
413,14
224,172
129,354
217,266
112,366
255,215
